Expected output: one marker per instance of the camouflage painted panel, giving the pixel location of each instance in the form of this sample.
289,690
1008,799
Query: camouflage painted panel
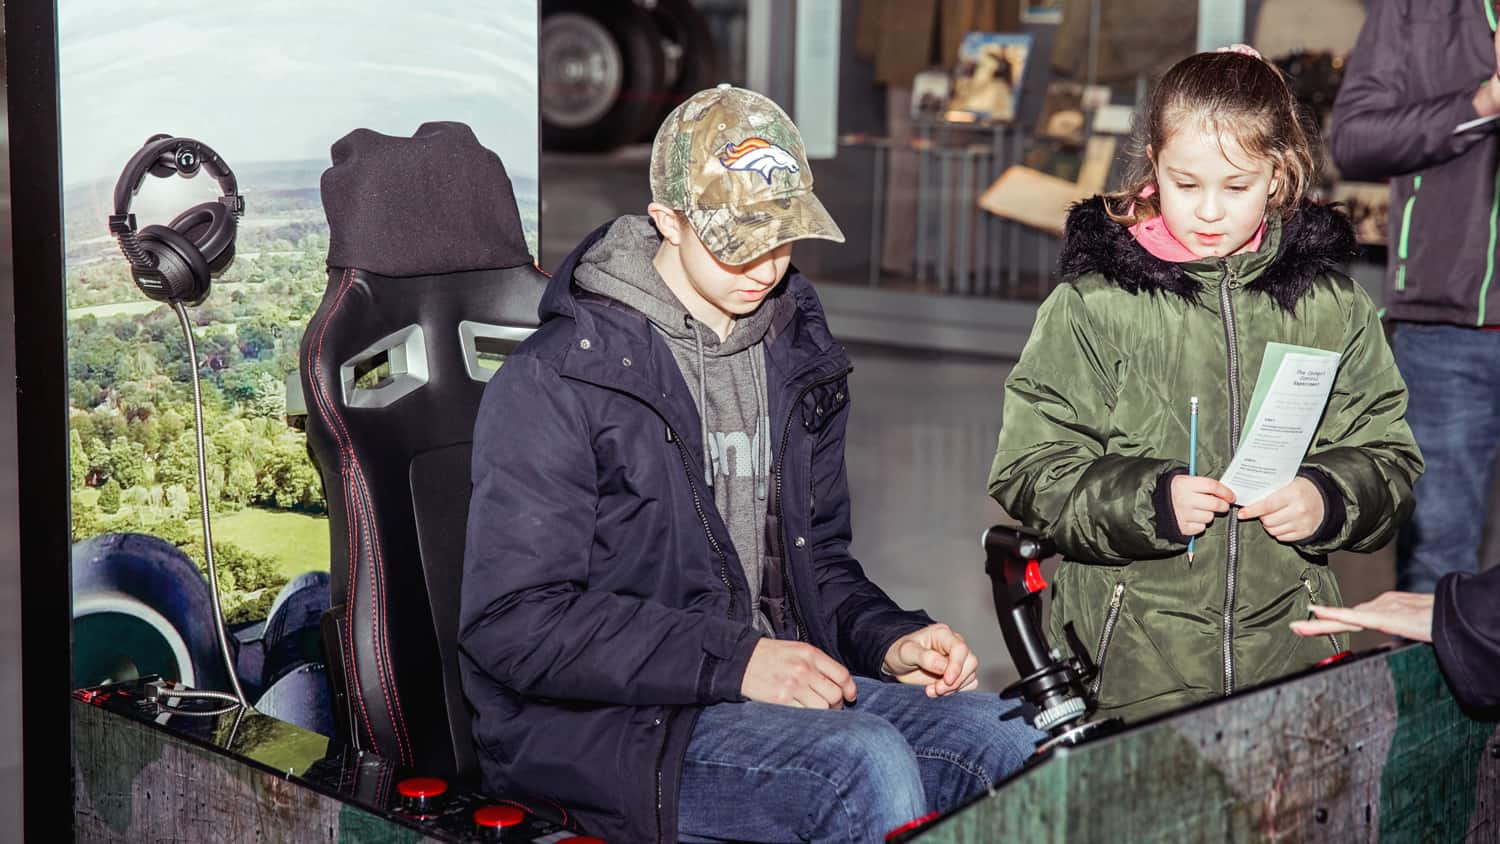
1374,749
136,783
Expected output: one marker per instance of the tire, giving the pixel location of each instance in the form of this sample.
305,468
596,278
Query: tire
141,607
601,68
692,58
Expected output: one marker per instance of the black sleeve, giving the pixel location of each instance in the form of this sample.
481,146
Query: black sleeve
1334,513
1466,635
1380,129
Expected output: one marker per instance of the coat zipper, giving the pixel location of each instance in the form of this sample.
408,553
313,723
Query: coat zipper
1105,636
687,469
1312,597
661,755
786,557
1231,566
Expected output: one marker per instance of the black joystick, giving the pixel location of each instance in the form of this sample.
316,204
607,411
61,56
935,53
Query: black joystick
1052,689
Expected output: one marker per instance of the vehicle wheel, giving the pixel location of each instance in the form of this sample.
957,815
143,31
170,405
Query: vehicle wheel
601,68
692,58
141,607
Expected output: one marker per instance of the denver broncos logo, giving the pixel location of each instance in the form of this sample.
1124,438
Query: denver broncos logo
758,155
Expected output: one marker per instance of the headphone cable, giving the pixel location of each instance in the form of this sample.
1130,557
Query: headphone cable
221,625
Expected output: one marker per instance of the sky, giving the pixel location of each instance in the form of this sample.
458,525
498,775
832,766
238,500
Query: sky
279,80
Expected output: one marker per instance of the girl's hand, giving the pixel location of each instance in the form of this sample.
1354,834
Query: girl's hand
1196,500
1290,514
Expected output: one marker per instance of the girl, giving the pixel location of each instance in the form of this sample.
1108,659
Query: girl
1172,288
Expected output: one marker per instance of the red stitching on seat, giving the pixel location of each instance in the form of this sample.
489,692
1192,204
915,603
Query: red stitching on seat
382,642
362,509
357,492
325,404
385,639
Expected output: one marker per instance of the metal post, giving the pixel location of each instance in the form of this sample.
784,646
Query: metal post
1093,51
770,28
1013,228
877,212
993,223
963,195
924,207
1220,23
945,219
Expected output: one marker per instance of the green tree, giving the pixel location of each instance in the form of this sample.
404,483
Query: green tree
177,501
239,481
287,479
172,423
127,463
109,497
270,398
78,460
176,463
139,499
258,338
85,517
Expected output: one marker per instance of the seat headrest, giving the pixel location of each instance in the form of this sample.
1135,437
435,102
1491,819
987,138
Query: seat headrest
437,202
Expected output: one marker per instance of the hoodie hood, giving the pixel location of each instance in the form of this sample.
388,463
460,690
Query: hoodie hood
620,266
1316,239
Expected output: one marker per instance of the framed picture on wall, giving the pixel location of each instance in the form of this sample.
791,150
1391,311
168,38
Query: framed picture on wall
298,78
987,80
929,94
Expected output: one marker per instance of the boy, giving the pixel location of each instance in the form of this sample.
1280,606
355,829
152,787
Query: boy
662,627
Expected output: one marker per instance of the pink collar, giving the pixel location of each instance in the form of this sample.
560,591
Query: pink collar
1154,236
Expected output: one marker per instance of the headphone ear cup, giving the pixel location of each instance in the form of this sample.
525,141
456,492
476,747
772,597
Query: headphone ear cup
211,228
184,272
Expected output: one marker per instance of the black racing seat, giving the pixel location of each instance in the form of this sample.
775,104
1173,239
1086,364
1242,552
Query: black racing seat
430,284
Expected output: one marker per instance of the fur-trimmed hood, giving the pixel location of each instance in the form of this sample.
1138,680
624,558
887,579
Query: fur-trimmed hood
1314,240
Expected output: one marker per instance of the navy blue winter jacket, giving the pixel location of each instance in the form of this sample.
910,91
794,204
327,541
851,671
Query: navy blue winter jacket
603,604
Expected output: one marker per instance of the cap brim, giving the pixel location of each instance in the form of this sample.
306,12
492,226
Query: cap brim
740,235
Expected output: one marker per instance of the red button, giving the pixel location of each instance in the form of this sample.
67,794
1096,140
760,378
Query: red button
1338,657
1033,578
421,787
495,817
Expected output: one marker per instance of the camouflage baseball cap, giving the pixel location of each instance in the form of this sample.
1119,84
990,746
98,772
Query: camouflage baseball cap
732,162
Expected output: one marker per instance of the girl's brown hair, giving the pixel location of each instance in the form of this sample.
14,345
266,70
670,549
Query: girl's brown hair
1226,93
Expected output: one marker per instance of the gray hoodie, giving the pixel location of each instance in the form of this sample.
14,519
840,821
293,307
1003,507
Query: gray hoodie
727,380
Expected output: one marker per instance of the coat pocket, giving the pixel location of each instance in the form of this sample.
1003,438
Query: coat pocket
1281,651
1106,636
1312,598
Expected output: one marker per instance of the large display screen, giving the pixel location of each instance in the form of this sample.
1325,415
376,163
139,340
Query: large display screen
269,86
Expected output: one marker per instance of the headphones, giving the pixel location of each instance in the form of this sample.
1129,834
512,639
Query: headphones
176,262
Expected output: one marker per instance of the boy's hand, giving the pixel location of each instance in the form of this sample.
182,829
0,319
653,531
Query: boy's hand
796,674
935,657
1404,614
1196,500
1290,514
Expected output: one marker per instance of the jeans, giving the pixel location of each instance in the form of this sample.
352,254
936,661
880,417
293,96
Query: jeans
1453,379
762,772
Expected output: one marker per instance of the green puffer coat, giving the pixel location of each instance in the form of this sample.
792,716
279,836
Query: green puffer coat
1096,413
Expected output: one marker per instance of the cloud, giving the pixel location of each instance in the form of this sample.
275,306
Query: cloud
283,80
